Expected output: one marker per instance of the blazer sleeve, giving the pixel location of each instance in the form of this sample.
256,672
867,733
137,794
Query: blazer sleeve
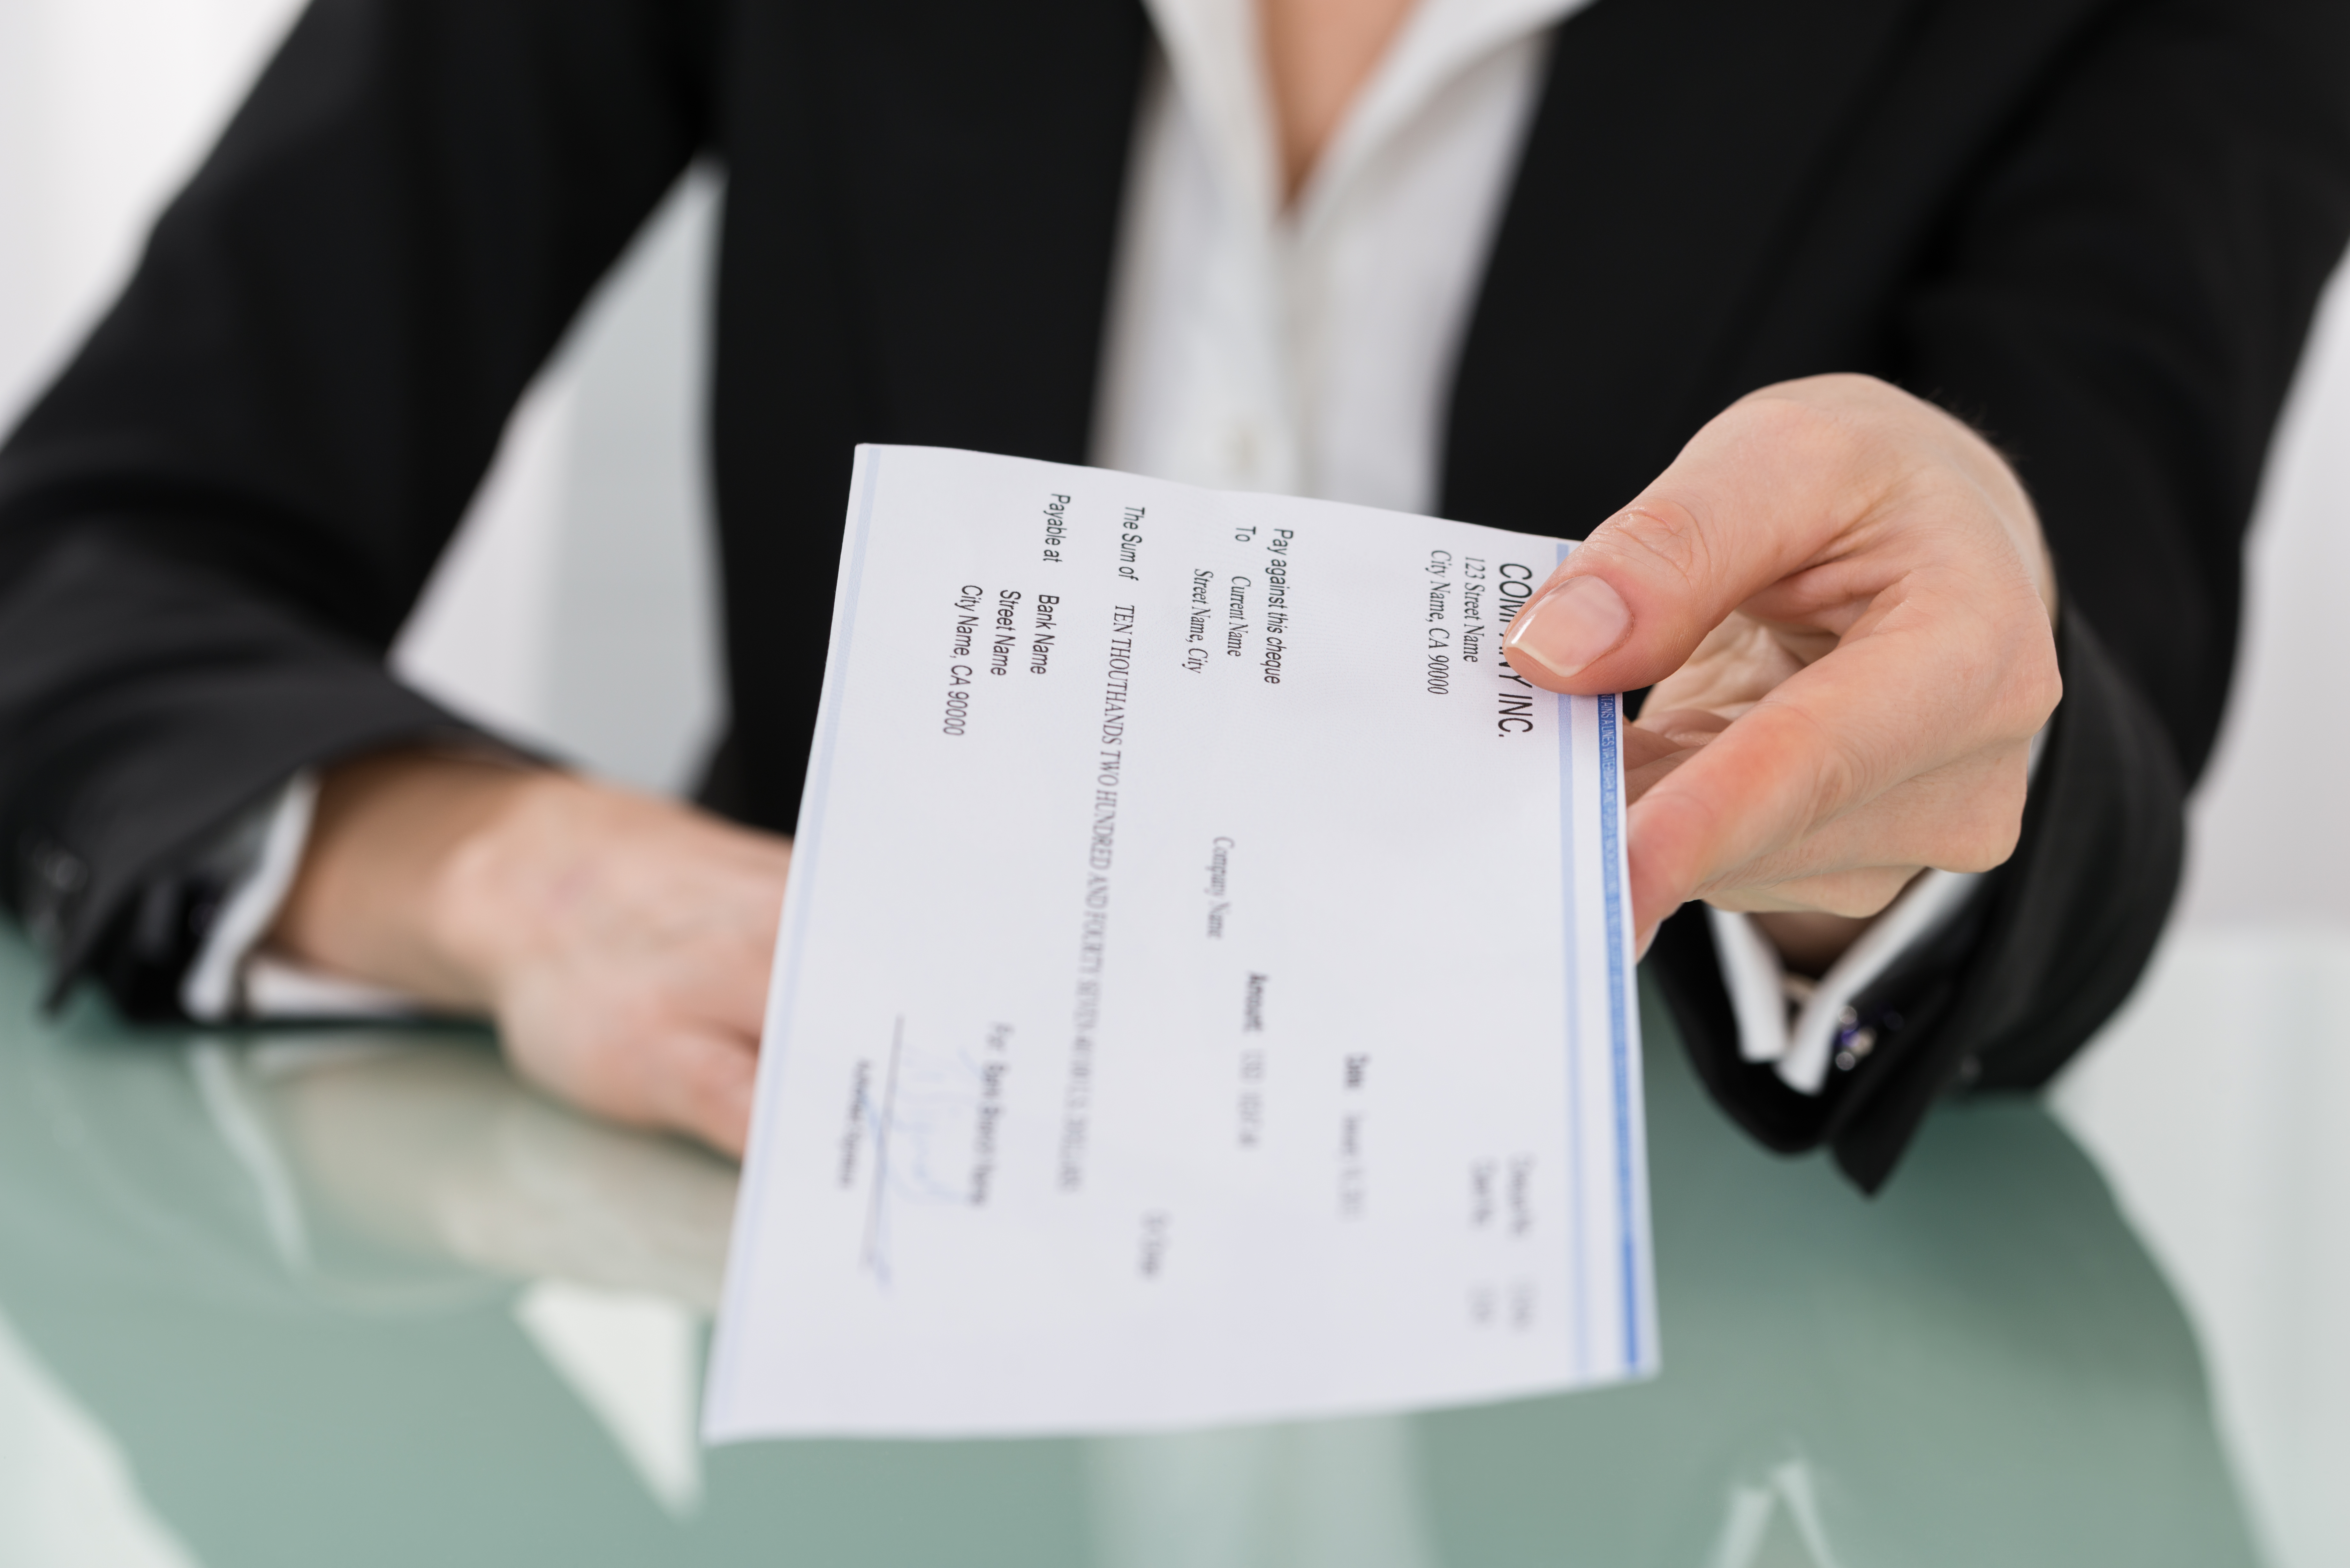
2120,301
214,521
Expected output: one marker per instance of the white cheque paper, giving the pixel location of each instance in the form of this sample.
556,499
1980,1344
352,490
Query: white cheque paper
1205,990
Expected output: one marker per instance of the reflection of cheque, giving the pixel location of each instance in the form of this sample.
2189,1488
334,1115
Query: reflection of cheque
440,1148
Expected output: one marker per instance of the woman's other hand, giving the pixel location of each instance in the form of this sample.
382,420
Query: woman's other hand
621,942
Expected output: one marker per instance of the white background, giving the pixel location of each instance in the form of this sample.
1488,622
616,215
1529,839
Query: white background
576,606
576,609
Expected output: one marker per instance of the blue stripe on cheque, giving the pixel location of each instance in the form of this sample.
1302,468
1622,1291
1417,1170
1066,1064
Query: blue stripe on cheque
1611,877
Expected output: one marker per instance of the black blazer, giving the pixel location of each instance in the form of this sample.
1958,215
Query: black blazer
2097,227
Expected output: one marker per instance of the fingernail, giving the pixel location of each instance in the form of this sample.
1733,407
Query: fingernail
1571,626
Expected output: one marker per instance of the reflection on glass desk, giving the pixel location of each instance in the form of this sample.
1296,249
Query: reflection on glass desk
354,1297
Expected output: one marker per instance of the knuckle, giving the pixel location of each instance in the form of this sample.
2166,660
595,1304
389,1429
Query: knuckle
2044,690
1983,838
614,1063
1660,534
1825,435
1838,770
1863,896
714,1076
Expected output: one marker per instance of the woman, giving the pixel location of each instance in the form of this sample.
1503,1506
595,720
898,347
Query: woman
1679,274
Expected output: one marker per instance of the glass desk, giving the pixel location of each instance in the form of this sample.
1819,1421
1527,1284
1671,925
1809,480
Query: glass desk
354,1297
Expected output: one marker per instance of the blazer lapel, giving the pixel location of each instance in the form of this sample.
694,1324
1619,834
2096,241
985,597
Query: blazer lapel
1675,150
983,155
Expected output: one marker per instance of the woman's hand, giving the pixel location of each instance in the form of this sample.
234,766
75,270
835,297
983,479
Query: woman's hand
1841,596
621,942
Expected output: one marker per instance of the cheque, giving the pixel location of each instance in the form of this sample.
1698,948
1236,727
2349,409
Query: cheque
1205,990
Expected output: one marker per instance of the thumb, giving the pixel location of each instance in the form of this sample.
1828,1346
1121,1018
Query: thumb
1753,497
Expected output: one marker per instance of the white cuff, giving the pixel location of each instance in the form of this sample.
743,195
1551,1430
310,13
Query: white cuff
229,980
1757,980
212,990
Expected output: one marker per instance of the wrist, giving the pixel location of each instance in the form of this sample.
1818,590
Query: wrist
388,891
1810,941
515,877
